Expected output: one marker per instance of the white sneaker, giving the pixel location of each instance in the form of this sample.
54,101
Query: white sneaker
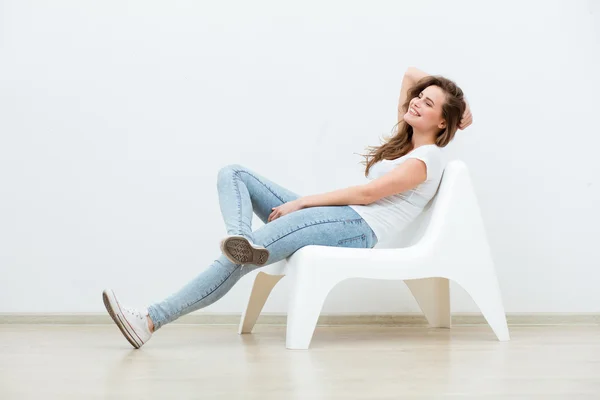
132,323
240,250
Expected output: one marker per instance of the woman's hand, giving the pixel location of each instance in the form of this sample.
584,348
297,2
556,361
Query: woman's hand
284,209
467,118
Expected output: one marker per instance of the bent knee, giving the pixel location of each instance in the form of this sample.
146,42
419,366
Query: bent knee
230,170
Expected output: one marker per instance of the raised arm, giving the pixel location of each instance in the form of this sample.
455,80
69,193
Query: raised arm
411,76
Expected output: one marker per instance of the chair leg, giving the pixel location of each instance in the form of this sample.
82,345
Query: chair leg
485,292
261,289
433,296
306,302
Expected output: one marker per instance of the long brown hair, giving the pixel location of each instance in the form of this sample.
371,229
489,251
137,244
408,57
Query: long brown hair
400,143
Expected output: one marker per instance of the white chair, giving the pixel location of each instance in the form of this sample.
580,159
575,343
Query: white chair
447,242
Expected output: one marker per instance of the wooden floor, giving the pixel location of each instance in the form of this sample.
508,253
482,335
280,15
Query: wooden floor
363,362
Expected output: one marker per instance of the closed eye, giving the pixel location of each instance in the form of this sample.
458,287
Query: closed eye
427,102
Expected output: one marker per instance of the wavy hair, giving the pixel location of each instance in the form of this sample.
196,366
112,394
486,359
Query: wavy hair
400,143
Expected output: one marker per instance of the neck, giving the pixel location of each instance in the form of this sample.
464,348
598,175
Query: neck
421,139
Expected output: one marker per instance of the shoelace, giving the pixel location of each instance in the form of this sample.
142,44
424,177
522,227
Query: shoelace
135,313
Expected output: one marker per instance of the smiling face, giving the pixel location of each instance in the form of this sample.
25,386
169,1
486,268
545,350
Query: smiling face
425,111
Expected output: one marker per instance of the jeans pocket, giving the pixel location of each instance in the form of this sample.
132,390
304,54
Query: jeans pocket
352,241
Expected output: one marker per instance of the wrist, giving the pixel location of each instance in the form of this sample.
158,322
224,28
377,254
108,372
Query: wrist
302,202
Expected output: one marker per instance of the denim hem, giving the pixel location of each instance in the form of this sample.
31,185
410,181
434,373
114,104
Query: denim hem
154,317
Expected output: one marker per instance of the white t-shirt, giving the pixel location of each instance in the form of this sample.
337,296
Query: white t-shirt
391,214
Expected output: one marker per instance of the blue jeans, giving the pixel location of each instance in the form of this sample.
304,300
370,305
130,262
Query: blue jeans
242,192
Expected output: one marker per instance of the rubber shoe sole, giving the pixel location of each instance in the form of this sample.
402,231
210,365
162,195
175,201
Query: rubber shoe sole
114,310
240,251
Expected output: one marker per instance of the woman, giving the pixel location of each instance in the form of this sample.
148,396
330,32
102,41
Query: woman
404,174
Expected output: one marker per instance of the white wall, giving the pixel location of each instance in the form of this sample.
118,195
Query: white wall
116,116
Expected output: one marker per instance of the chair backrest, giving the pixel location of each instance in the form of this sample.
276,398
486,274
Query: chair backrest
436,209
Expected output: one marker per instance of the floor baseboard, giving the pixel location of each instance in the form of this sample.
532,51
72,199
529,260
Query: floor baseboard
406,319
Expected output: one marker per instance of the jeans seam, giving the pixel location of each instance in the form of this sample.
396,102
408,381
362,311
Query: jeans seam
207,294
238,199
352,239
360,220
261,182
305,226
236,177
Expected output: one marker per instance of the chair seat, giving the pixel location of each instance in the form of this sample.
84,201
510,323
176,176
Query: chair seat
447,242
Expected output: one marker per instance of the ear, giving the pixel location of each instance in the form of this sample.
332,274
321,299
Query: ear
442,125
